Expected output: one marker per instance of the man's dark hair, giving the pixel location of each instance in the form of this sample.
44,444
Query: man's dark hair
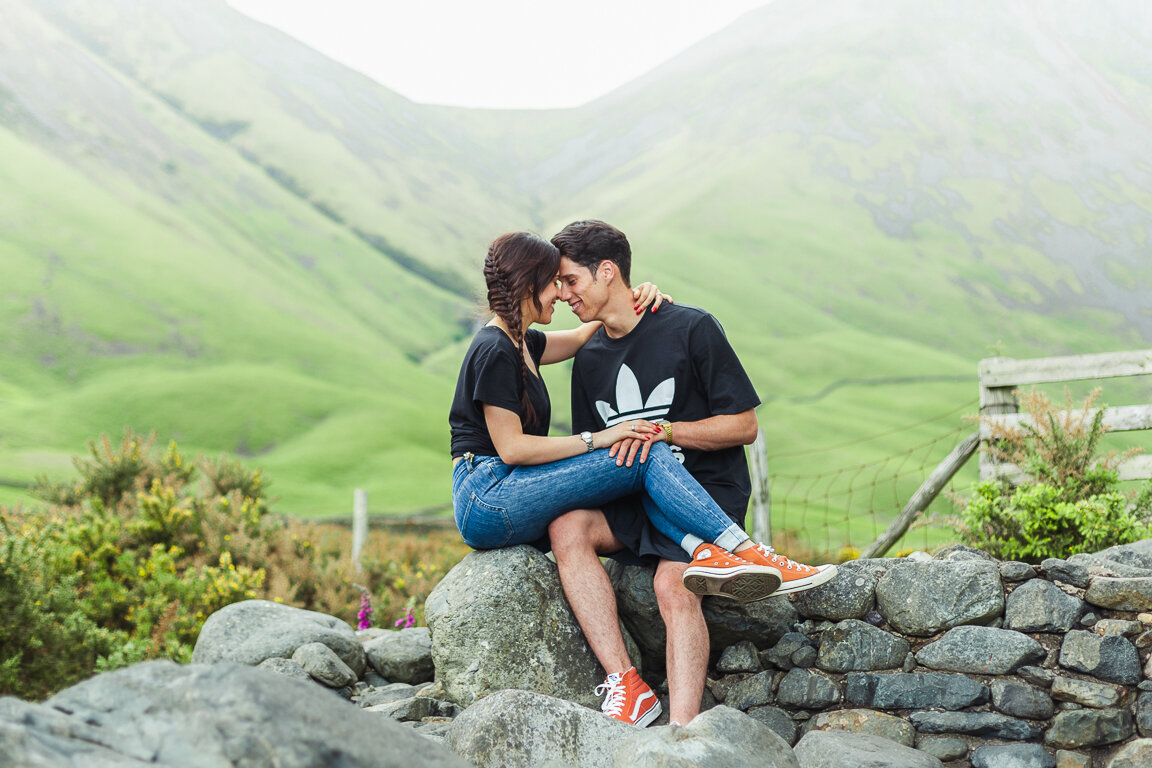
590,242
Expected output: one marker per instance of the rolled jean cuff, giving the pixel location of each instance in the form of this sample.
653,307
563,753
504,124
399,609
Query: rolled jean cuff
690,542
732,537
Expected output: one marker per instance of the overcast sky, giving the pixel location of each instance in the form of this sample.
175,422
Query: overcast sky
499,53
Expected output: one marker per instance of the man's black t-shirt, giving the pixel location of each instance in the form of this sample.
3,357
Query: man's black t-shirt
490,374
676,364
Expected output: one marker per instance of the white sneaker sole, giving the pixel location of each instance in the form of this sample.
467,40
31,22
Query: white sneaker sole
744,583
649,716
824,574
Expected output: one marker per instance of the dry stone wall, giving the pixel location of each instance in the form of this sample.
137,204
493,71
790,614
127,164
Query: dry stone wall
955,660
967,659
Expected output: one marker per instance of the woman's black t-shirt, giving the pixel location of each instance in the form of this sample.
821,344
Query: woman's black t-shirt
490,374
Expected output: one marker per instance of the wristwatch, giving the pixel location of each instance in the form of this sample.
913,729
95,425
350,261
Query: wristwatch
587,438
667,427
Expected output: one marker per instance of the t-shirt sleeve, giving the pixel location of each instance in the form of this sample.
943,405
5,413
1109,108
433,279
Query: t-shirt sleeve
583,417
495,379
536,341
724,379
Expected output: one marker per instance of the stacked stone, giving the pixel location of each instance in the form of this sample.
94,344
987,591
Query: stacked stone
964,658
957,660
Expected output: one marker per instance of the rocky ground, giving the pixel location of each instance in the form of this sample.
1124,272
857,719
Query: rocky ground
957,660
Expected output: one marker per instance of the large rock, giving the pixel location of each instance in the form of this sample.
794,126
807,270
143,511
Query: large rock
499,620
402,657
514,729
204,716
923,598
975,723
848,596
1021,700
1039,605
1136,754
719,737
1112,658
866,721
981,651
854,645
915,690
252,631
1089,728
1138,554
729,622
1012,756
521,729
1134,594
839,749
1090,694
754,691
805,689
323,665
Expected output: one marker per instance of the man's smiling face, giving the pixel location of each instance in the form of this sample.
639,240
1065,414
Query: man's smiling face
578,286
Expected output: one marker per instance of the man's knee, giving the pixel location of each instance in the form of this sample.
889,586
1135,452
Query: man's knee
671,595
578,530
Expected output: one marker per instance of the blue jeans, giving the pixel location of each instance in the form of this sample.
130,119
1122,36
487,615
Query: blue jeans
498,505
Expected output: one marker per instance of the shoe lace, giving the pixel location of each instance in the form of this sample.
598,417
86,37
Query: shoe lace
777,560
614,702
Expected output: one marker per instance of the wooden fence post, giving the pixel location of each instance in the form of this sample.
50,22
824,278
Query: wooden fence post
994,401
761,498
359,524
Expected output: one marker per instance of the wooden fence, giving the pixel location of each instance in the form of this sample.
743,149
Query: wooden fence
1000,379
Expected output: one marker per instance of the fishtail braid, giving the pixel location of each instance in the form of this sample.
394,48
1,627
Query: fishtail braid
504,302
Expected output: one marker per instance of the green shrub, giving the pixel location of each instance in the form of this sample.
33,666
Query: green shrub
126,563
1069,501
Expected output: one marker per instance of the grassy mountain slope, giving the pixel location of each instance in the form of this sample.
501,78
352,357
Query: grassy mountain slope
869,196
156,278
876,195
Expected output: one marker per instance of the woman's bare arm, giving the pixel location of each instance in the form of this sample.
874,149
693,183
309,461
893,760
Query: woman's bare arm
517,448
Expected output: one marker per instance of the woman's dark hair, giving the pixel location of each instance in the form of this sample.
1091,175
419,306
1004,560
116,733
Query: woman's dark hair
519,265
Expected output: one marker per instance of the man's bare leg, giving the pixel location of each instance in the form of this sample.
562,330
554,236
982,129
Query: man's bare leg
687,647
578,539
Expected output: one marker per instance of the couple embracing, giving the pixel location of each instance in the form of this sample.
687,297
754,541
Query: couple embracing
655,474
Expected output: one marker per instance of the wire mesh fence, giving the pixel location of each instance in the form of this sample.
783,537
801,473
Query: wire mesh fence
837,512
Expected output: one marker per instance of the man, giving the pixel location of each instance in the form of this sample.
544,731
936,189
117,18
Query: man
676,367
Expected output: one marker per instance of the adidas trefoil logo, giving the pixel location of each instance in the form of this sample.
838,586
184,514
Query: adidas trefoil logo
631,402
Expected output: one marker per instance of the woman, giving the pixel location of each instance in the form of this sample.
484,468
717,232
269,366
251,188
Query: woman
510,479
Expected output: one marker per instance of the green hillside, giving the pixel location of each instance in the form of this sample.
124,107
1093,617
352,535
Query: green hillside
212,230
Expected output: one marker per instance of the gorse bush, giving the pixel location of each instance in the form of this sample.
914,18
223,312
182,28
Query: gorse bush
127,562
1069,501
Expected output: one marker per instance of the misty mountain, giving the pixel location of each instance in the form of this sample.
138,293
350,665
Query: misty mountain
212,230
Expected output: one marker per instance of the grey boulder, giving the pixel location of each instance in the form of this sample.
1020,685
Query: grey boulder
838,749
848,596
923,598
981,651
1039,605
854,645
204,716
719,737
252,631
499,620
402,657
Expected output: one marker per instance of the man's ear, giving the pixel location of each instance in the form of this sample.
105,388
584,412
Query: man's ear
608,270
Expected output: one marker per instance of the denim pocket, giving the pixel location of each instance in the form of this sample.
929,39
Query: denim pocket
484,526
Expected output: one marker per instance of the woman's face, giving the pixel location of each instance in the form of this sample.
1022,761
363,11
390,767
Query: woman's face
547,298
